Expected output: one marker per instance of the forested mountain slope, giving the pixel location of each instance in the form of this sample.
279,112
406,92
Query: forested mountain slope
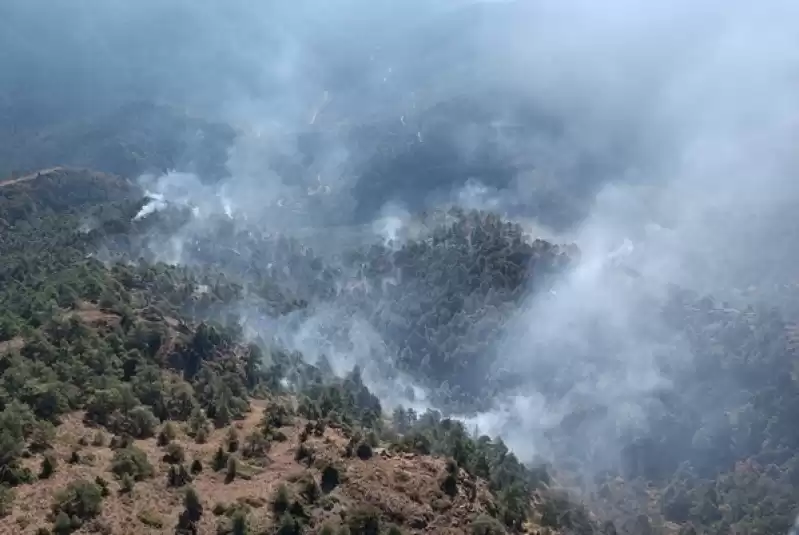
143,352
127,408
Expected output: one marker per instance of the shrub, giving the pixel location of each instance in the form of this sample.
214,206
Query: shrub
48,466
330,478
319,428
63,524
306,432
13,474
174,453
150,519
7,496
42,436
255,445
133,462
364,520
201,436
162,440
232,468
239,523
452,466
310,490
276,415
222,413
303,452
192,504
99,439
220,459
192,512
393,530
281,500
232,440
198,424
178,476
450,485
103,484
486,525
120,441
126,484
364,451
141,422
297,510
80,499
168,433
196,466
289,526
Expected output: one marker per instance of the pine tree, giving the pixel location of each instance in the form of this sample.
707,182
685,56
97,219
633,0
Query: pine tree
240,525
232,469
193,505
232,440
220,459
191,515
126,484
196,466
48,466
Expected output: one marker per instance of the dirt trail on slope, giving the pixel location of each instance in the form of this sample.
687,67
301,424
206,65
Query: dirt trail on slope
32,176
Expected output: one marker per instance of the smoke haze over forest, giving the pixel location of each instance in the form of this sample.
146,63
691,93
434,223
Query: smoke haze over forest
659,139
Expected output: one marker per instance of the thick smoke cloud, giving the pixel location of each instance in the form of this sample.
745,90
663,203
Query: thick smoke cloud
673,124
707,88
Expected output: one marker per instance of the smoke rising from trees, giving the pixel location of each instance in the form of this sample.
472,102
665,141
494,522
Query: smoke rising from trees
657,138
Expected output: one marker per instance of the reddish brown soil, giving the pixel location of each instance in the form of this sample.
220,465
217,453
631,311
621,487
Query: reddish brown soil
404,488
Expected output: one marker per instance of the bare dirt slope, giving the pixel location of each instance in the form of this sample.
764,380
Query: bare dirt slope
31,176
404,488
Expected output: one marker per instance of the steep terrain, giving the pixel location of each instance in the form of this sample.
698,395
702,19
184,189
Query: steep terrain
111,355
125,408
385,267
395,488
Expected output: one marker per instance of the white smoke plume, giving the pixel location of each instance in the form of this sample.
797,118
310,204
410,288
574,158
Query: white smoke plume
703,92
708,88
694,103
